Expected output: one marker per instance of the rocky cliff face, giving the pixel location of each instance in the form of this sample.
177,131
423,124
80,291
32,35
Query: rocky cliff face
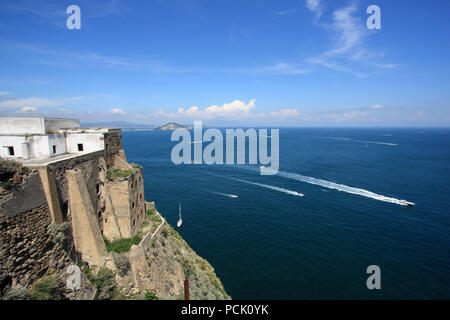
36,252
161,265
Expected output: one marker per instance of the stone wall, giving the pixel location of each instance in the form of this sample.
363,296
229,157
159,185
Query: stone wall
27,251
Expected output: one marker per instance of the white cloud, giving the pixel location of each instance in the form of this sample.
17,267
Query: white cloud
28,109
284,12
116,111
315,6
234,109
349,51
377,106
33,102
285,113
4,93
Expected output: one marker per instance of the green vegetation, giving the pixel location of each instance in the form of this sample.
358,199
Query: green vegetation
137,166
153,217
46,288
8,168
114,173
105,283
122,245
150,295
187,268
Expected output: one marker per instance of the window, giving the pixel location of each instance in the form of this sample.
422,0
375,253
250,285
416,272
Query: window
140,196
54,148
99,214
132,205
97,188
80,147
10,151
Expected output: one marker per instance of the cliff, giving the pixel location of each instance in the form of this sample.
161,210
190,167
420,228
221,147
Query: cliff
88,213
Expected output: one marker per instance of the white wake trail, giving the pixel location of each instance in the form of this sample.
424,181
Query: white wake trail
294,193
344,188
365,141
224,194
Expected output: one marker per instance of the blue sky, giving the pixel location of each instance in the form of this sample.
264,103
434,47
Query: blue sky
271,63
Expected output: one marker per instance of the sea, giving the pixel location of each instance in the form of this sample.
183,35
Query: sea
270,243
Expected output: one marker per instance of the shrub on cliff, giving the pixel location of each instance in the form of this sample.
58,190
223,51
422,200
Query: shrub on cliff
46,288
122,263
105,283
58,232
8,169
150,295
114,173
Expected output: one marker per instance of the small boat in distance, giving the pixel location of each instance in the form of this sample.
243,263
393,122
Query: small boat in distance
233,196
180,221
299,194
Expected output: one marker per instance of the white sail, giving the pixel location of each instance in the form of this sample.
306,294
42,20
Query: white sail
180,221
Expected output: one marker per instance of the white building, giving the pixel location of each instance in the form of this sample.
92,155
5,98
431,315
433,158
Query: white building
40,138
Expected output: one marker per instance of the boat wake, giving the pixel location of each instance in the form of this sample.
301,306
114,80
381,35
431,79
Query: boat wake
267,186
364,141
225,194
343,188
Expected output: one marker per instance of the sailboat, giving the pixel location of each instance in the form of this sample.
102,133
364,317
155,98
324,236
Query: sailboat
180,221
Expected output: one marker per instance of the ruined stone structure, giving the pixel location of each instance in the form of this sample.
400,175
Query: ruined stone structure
75,189
62,207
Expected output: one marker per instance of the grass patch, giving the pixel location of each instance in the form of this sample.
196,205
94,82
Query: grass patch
46,288
122,245
114,173
150,295
137,166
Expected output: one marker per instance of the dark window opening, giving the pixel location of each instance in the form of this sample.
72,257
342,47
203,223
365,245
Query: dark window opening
11,151
65,209
80,147
134,223
141,197
99,214
133,205
54,148
97,188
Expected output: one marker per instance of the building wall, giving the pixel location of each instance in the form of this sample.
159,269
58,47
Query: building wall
113,140
11,141
36,125
127,197
59,141
22,125
55,124
137,202
91,142
27,249
41,146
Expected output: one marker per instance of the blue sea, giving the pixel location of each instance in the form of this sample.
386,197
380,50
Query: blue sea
271,244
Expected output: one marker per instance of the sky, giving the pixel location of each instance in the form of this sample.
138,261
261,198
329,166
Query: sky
230,62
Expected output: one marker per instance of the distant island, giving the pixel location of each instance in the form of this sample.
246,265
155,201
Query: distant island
172,126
